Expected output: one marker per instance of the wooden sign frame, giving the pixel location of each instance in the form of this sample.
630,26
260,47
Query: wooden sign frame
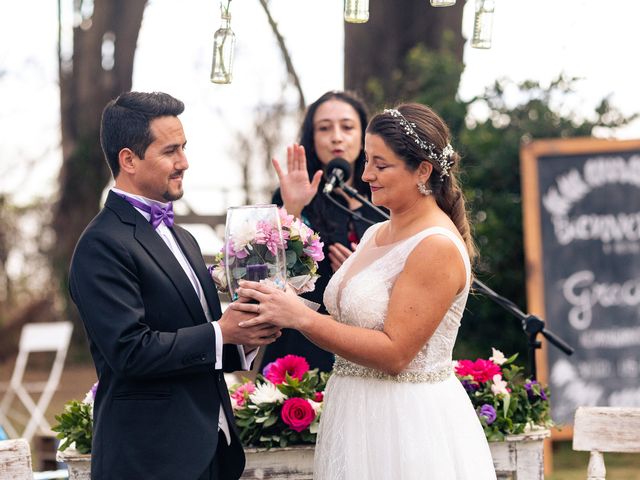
530,153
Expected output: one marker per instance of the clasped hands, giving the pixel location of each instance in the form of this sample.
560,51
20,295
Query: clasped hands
234,330
275,308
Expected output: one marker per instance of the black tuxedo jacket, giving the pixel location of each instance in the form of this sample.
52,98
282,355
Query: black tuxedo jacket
158,400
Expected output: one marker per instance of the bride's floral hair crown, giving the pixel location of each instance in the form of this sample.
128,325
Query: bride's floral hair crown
443,159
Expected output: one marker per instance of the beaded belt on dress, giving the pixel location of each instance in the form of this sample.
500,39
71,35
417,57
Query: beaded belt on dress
346,368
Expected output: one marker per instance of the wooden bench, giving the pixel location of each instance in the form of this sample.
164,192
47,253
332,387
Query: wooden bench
605,429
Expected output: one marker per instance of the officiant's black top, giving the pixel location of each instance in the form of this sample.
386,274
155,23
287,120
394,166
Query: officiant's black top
334,225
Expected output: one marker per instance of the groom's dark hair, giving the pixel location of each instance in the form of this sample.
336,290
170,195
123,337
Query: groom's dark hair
125,123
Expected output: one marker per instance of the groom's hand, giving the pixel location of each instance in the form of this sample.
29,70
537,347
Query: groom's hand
250,338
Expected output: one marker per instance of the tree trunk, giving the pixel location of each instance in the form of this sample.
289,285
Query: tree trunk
375,51
87,83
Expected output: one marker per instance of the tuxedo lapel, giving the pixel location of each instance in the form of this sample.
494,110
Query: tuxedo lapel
161,254
195,259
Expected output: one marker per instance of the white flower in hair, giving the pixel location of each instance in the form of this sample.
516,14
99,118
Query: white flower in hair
443,159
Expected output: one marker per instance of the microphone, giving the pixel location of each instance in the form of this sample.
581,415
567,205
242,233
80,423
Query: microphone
338,171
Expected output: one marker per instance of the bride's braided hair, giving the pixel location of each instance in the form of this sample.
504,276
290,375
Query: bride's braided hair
434,133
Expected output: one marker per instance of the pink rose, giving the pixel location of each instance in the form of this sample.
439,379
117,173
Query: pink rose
297,413
242,393
318,397
294,365
481,370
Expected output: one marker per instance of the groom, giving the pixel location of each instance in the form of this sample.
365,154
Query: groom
151,312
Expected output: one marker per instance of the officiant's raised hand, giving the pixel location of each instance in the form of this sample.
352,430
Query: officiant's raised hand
251,336
295,187
276,307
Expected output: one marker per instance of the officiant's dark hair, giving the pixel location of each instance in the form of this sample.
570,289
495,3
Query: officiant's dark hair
125,123
431,129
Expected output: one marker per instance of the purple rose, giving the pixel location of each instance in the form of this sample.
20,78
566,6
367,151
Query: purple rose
488,412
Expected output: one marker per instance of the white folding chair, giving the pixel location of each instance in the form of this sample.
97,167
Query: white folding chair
605,429
15,460
35,337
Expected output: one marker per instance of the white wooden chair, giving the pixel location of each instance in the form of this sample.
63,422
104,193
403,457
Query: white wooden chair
15,460
605,429
35,337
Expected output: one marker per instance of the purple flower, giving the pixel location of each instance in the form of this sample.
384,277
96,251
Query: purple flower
267,367
488,412
470,386
529,387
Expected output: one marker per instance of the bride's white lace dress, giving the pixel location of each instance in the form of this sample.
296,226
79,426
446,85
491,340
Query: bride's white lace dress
417,425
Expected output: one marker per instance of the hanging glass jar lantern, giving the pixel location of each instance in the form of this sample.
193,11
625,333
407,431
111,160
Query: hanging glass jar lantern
356,11
483,24
224,41
442,3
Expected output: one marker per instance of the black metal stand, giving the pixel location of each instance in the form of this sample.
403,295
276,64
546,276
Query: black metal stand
532,325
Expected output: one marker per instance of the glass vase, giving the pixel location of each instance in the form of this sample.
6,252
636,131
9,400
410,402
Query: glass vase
483,24
254,246
356,11
224,41
442,3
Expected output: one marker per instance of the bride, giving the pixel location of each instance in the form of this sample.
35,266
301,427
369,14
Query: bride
393,408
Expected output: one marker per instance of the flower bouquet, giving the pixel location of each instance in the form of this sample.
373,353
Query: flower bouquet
257,244
282,407
506,403
75,424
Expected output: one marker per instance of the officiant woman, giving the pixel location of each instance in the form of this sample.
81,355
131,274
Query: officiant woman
333,127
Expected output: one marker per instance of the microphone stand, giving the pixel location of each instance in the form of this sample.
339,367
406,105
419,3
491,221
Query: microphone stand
531,324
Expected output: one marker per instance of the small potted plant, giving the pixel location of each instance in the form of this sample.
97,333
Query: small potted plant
514,412
75,431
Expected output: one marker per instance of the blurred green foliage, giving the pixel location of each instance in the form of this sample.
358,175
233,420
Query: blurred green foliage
489,142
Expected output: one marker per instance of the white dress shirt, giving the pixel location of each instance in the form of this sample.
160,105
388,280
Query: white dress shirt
170,240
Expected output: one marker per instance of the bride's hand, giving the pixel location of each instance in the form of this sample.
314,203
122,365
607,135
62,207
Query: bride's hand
276,307
296,189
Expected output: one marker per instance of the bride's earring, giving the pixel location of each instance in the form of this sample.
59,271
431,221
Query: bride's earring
422,188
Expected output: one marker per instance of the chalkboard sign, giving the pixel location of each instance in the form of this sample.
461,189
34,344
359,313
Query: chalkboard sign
581,201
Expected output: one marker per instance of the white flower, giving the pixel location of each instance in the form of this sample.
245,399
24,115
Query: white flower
220,277
243,235
317,406
499,385
267,393
497,357
88,399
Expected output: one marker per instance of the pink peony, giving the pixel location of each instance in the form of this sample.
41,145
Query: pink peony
242,392
294,365
481,370
268,235
297,413
314,250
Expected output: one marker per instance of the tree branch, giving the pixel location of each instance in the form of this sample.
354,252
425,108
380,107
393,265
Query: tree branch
285,53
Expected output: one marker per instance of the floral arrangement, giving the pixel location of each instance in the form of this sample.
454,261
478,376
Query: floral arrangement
282,407
260,242
75,423
506,403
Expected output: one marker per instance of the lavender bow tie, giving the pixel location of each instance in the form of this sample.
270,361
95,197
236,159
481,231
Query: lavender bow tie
158,214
